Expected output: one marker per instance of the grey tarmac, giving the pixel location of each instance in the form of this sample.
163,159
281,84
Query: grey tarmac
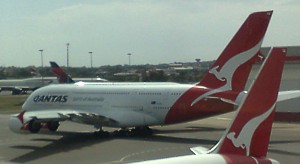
76,143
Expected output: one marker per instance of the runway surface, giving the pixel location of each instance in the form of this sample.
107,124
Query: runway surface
76,143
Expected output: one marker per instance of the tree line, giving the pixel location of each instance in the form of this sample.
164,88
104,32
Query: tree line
145,73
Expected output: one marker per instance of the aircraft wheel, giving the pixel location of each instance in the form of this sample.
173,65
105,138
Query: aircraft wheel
142,131
102,134
53,126
34,126
122,133
16,91
148,130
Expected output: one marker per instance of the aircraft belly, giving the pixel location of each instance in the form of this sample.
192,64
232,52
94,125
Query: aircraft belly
131,118
204,158
211,158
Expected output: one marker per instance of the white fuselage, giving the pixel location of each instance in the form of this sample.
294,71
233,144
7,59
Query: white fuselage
29,83
211,158
130,104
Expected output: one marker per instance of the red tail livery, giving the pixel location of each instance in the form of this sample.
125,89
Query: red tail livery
246,139
250,131
228,75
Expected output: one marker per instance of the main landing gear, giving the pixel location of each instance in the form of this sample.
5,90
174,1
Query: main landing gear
124,132
141,131
100,132
53,125
134,132
34,126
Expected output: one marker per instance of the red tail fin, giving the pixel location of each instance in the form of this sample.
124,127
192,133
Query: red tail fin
249,133
60,74
232,68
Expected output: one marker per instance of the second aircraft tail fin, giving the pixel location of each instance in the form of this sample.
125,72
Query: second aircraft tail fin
250,130
60,73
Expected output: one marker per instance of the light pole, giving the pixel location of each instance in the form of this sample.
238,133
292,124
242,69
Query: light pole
129,54
198,65
91,54
68,44
42,62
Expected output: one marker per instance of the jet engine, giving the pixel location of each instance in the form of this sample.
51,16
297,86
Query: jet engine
16,124
20,124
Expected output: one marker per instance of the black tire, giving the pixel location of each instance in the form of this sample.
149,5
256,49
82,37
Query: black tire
142,131
16,91
34,127
53,126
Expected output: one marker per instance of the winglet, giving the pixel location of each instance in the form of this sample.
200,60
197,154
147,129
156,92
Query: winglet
249,133
233,66
60,73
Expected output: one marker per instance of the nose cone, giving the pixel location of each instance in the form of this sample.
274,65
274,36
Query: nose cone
15,124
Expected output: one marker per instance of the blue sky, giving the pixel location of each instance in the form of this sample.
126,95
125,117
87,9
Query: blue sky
152,31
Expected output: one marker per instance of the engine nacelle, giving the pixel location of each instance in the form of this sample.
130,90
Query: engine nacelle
20,124
16,125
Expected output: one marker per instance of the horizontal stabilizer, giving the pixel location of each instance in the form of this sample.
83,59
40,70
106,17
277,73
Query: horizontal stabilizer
286,95
199,150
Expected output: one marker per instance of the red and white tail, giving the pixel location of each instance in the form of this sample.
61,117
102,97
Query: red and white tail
250,130
232,68
60,73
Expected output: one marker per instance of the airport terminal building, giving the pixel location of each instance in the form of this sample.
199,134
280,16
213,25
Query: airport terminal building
287,110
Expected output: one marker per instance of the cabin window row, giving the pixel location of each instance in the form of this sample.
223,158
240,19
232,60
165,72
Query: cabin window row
114,93
149,93
161,107
127,107
175,93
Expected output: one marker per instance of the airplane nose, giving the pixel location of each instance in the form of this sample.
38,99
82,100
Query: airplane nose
15,124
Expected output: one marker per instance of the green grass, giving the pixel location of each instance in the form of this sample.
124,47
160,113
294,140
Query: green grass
11,103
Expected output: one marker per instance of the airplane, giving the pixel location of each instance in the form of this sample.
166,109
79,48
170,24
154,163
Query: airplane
247,138
141,105
22,86
63,77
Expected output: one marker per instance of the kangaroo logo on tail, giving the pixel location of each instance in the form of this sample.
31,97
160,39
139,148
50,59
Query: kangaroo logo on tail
228,69
243,140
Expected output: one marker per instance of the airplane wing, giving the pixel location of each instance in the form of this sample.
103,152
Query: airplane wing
286,95
70,115
9,88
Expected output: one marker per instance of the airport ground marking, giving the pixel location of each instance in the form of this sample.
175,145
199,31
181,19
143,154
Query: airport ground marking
150,151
